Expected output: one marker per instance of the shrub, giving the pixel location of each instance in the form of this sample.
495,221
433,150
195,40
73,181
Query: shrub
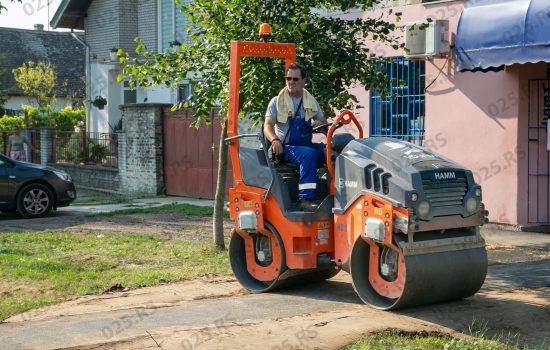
98,152
63,120
6,123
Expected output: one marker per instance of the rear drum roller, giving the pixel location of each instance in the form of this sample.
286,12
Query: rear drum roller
385,279
259,264
266,259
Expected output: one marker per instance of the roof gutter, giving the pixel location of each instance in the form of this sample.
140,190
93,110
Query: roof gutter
88,79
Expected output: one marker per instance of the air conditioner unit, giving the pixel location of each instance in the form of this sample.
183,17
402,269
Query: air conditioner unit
426,39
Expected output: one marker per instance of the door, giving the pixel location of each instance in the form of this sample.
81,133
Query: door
4,182
190,156
538,203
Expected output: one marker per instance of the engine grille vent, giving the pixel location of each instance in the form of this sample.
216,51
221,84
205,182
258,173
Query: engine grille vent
377,179
446,193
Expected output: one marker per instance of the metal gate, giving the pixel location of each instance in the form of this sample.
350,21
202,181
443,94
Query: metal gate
34,137
538,202
191,156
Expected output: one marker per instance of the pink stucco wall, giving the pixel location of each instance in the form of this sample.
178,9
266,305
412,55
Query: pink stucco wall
476,119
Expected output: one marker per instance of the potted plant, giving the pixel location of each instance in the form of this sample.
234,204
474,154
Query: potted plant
175,45
99,102
113,53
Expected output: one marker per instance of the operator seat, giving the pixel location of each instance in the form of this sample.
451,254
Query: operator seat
339,142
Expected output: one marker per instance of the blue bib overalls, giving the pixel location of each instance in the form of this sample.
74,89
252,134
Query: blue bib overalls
300,150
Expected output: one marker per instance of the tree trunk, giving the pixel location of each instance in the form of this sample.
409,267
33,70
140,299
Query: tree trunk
220,190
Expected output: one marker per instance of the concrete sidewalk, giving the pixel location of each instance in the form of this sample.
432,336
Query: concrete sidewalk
493,234
92,209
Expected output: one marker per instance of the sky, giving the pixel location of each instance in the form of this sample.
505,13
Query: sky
27,13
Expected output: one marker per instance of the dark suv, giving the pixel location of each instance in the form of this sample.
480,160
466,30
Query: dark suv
33,190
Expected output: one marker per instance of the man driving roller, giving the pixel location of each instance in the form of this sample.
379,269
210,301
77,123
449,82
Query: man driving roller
290,119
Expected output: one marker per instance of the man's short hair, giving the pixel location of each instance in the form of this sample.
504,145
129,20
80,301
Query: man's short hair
302,69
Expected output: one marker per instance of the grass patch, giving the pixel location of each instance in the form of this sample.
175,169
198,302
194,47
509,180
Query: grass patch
38,269
398,340
101,200
188,209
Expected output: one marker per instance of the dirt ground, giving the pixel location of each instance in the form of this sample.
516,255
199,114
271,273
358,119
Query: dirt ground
521,313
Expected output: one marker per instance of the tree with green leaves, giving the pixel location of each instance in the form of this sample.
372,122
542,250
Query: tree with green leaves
38,81
2,8
332,49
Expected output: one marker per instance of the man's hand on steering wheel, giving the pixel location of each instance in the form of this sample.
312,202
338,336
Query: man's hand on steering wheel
316,123
323,126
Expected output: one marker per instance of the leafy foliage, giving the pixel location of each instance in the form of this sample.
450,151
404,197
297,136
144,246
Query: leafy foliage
63,120
98,152
6,123
332,49
99,101
66,119
37,80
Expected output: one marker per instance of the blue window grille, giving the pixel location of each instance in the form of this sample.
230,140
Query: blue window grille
400,114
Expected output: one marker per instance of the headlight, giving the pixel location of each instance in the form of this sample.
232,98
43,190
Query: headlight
423,209
471,205
63,176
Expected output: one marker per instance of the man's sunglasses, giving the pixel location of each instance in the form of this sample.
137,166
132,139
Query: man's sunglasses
291,78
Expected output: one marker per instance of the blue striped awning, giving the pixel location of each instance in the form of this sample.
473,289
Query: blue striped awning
492,34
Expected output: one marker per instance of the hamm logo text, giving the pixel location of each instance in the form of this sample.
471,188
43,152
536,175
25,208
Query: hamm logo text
445,176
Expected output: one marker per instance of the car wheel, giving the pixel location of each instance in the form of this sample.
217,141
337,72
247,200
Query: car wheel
35,201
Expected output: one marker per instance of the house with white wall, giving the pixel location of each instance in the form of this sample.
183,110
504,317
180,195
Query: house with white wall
61,49
114,24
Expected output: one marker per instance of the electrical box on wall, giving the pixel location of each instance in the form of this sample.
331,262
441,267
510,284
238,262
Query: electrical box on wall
427,39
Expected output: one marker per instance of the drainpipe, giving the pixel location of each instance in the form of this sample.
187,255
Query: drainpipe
88,80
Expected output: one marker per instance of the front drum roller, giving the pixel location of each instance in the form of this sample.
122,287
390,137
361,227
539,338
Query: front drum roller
258,262
385,279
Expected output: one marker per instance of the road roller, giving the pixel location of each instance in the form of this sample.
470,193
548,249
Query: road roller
401,220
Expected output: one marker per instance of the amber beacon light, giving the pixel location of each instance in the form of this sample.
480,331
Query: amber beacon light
265,32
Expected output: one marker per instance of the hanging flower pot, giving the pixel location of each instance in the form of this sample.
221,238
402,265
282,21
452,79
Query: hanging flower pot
100,102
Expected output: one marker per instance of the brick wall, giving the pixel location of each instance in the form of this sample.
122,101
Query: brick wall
92,177
143,148
102,28
128,24
148,23
116,23
140,156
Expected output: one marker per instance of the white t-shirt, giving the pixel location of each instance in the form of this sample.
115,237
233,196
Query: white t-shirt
282,128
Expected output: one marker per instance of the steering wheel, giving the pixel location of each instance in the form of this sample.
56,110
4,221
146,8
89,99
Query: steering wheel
319,129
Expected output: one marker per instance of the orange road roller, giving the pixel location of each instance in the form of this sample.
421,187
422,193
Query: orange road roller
403,221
